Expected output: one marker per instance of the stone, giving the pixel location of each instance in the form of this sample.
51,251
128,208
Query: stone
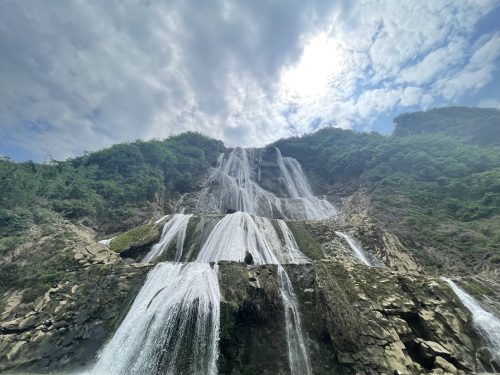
430,349
445,365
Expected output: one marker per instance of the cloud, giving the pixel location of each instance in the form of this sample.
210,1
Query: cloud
84,75
476,73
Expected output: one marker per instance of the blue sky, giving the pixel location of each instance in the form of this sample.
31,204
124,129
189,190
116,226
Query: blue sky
80,76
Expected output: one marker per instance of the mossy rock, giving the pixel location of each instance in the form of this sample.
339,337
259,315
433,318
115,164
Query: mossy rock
306,242
139,236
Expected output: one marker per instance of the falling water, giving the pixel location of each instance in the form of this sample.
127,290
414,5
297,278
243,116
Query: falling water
175,229
486,324
172,326
239,233
107,241
360,253
291,249
297,351
234,186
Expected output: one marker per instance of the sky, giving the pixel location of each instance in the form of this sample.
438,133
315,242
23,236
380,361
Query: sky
79,75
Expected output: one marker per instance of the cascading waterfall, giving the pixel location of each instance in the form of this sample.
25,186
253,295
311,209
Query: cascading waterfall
174,229
297,351
359,252
239,233
234,236
291,249
486,324
172,326
234,186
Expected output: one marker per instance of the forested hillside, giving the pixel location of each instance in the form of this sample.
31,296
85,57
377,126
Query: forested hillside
422,202
435,181
109,191
108,188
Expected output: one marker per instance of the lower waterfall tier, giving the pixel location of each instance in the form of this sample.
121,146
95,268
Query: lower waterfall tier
353,317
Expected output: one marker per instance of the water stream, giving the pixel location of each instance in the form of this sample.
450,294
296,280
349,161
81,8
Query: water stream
234,186
486,324
173,230
173,324
359,252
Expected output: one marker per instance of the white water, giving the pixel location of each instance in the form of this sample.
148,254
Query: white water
234,186
239,233
174,229
107,241
359,252
174,319
486,324
297,351
291,249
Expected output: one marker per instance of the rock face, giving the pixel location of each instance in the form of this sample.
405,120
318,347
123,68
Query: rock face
67,326
355,318
359,222
367,320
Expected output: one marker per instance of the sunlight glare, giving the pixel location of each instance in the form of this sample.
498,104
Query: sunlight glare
321,60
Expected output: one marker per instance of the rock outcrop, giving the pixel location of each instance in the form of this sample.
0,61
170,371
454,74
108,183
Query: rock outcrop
362,319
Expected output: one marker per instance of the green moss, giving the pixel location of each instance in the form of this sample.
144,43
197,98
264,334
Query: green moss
135,237
477,289
48,263
306,242
228,339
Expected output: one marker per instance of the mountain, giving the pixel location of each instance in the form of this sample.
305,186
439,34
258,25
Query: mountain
476,125
337,251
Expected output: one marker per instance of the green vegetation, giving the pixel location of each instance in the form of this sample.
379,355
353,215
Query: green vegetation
429,186
111,190
144,234
305,241
107,189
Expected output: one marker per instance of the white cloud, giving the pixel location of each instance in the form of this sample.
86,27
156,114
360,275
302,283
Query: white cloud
411,96
476,74
81,76
490,103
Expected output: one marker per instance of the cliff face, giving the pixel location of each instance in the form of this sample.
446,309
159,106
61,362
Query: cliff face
353,317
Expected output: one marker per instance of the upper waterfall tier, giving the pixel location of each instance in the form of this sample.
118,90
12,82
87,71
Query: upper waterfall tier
263,183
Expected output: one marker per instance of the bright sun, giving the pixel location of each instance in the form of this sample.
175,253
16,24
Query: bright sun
321,60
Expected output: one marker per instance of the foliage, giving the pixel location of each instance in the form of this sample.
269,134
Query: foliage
477,125
305,241
107,187
144,234
426,177
50,262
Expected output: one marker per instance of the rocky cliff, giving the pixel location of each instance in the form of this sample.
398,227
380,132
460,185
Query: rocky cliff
355,317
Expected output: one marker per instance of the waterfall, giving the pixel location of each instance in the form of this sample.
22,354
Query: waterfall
234,186
291,249
107,241
172,326
486,324
175,229
297,351
237,234
359,252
